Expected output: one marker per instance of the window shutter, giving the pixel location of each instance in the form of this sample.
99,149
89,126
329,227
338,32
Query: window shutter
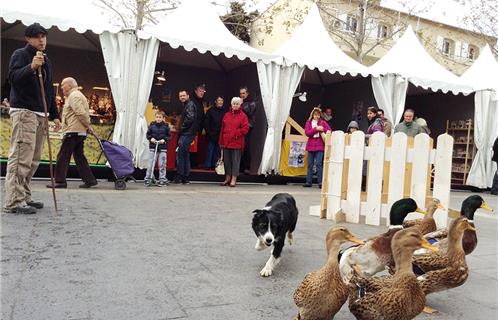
458,49
439,43
464,52
343,17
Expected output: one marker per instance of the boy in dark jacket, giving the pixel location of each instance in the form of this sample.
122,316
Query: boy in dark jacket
158,134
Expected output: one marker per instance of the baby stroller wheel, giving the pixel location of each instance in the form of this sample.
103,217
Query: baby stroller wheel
120,184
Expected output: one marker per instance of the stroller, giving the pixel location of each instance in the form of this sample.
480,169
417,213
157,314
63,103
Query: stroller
120,160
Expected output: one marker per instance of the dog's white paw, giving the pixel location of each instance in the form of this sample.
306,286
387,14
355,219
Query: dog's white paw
290,237
266,271
260,245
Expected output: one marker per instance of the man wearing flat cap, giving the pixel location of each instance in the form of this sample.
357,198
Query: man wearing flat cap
28,119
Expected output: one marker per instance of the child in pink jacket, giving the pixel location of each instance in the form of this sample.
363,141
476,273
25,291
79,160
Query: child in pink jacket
315,145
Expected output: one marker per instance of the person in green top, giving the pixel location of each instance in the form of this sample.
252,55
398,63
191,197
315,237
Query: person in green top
408,126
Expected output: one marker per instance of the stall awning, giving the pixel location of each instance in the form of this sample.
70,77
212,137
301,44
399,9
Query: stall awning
311,46
196,25
409,59
483,73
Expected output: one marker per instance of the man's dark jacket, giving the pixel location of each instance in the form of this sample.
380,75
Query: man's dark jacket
212,122
249,108
199,108
495,151
159,131
25,86
188,119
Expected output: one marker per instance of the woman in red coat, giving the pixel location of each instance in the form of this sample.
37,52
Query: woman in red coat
234,127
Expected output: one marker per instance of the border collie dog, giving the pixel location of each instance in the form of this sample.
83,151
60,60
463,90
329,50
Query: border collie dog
270,225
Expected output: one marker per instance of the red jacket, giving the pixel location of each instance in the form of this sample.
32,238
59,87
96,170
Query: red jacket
234,127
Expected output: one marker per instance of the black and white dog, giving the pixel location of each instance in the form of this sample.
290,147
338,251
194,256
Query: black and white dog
270,225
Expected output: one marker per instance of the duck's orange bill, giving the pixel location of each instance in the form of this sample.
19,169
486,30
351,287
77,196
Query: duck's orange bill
356,240
425,244
440,206
485,206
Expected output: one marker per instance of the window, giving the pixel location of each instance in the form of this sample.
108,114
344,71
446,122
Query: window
448,47
473,52
335,24
382,31
351,24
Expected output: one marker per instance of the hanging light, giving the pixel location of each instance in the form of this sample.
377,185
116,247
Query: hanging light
301,96
160,76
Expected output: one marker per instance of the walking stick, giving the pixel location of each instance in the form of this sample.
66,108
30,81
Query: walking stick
45,109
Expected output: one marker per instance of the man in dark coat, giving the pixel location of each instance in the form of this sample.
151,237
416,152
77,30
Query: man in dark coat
494,187
186,134
212,124
249,107
28,118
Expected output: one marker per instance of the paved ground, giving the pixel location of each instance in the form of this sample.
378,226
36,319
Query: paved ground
186,252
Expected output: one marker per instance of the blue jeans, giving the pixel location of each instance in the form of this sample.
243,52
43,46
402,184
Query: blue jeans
315,157
212,154
494,186
161,160
183,156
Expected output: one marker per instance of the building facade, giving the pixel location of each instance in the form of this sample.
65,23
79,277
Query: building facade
366,30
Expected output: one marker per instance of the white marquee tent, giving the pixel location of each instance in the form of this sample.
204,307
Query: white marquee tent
483,75
309,46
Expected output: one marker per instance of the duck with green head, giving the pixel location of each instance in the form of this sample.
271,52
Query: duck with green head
373,256
469,240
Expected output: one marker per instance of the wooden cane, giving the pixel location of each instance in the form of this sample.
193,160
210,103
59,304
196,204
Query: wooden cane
45,109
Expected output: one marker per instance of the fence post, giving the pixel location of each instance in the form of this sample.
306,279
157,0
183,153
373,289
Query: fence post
355,156
397,169
442,177
334,177
375,173
420,169
325,185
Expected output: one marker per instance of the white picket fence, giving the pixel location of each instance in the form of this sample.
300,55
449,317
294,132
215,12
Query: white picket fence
397,177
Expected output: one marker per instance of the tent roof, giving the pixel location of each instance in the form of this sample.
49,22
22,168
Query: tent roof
483,73
409,59
80,15
310,45
196,25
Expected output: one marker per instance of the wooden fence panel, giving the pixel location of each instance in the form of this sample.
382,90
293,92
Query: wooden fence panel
353,197
334,179
375,173
325,185
442,177
420,168
397,169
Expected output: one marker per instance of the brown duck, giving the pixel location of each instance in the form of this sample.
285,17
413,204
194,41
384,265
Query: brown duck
376,254
445,270
397,297
322,293
469,241
427,223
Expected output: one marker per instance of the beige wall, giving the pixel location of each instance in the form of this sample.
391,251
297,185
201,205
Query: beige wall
276,25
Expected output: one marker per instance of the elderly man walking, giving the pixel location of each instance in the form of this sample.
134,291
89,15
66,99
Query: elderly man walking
408,126
75,126
28,119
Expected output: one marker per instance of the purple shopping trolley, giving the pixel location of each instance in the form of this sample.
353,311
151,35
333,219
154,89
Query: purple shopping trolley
121,161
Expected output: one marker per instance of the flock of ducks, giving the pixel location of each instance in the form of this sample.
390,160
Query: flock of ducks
420,259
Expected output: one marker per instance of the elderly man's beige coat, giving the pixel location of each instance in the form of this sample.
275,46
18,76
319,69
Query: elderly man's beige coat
76,115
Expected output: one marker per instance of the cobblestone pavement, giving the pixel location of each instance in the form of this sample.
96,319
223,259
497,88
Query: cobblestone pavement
186,252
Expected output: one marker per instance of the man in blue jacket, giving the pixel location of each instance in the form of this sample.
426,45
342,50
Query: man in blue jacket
28,119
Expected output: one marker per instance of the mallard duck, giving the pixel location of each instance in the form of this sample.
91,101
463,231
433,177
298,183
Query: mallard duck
445,270
397,297
469,240
322,293
375,254
427,223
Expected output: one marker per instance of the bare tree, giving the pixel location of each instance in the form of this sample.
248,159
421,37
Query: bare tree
134,14
239,21
483,17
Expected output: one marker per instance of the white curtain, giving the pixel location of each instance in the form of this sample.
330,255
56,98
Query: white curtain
390,94
130,64
278,84
485,132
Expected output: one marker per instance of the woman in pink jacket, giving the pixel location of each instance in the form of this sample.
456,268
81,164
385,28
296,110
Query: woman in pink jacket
315,145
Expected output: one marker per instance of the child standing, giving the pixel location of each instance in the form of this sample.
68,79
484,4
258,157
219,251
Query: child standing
159,134
315,145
